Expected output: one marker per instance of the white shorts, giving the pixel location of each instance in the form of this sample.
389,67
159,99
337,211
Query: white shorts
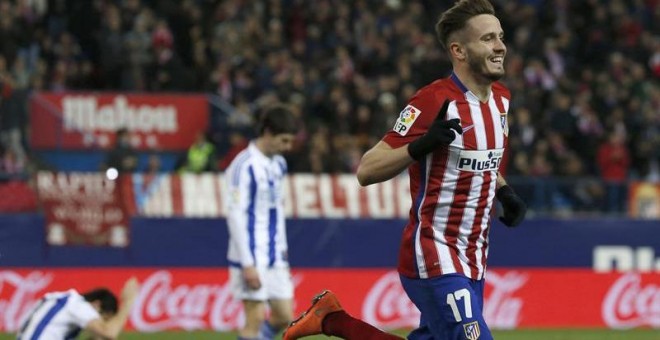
276,284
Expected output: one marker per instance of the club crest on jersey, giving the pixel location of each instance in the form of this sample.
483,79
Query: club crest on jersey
406,118
235,196
472,331
505,125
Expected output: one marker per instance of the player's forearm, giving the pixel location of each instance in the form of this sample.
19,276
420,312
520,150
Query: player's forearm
239,234
116,324
382,163
110,329
500,182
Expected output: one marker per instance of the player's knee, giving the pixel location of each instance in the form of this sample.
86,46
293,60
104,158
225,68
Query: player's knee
281,322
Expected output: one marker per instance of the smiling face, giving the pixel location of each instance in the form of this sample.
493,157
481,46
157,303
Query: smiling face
484,47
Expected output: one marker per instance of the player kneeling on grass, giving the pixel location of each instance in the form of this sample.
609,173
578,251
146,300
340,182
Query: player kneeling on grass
62,315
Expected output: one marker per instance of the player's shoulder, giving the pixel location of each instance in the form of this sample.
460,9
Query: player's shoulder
439,90
281,163
61,293
501,89
242,158
279,159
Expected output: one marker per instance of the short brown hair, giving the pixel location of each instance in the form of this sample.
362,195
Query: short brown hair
454,19
278,119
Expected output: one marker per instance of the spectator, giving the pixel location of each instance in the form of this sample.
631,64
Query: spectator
579,68
613,158
122,157
200,156
154,165
613,162
12,164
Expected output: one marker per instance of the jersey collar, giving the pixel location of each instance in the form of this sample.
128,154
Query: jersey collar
255,150
465,90
458,83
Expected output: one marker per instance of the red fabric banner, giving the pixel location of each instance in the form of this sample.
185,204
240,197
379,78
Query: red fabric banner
83,208
199,298
82,120
17,196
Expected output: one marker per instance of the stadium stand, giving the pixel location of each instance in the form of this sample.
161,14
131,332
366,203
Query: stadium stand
584,76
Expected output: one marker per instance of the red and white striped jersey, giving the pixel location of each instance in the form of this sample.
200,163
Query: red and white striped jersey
453,188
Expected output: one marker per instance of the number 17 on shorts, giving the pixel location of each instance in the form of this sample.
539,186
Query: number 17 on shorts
451,307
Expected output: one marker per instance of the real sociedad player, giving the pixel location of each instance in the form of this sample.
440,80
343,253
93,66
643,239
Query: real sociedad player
63,315
258,264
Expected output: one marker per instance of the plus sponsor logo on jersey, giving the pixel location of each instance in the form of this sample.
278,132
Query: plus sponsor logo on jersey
479,160
472,331
406,118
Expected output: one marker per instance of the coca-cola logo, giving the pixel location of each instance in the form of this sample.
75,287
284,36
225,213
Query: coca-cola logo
502,309
161,305
18,294
630,304
387,305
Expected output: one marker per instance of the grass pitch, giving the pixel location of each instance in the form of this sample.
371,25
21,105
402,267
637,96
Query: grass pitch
525,334
586,334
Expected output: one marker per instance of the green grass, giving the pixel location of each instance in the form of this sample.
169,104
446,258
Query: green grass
582,334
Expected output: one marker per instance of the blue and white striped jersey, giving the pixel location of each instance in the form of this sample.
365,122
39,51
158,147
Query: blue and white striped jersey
58,316
255,210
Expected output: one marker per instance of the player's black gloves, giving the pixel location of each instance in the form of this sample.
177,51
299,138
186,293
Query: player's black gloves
439,133
514,207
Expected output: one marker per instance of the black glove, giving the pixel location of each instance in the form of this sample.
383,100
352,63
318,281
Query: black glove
514,207
439,133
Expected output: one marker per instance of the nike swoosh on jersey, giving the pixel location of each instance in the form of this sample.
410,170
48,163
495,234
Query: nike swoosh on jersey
468,128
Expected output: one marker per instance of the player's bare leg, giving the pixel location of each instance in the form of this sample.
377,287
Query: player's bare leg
255,314
280,317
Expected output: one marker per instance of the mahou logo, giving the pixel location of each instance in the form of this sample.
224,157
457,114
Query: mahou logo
161,305
18,294
84,113
630,304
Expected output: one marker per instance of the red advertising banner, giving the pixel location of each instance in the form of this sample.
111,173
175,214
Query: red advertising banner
305,196
79,120
82,208
17,196
196,298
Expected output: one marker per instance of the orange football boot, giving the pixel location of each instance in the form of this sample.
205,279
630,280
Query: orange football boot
311,321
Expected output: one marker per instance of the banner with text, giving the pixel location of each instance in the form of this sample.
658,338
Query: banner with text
194,298
306,196
80,120
82,209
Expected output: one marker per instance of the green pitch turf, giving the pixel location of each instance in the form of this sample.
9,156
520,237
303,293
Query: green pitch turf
645,334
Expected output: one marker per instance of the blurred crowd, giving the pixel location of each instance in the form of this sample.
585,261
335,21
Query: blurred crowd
584,74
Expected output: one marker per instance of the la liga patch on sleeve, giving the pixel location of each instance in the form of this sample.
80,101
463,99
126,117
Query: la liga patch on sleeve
406,119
